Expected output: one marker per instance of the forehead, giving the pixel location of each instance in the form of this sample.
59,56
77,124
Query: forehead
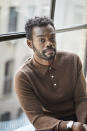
44,30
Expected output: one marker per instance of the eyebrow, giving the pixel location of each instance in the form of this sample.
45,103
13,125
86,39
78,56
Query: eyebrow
40,35
45,35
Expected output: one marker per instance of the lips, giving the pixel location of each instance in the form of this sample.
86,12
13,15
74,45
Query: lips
49,51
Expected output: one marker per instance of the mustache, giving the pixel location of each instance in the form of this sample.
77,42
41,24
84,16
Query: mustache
49,48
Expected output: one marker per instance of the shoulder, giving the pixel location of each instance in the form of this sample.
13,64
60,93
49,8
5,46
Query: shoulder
24,69
67,56
68,59
22,80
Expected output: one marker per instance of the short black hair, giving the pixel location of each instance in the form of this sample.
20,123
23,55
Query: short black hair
36,21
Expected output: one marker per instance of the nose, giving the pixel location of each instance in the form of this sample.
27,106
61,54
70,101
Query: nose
49,44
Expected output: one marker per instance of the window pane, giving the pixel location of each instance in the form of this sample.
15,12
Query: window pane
69,13
12,55
75,42
12,26
15,13
5,116
0,18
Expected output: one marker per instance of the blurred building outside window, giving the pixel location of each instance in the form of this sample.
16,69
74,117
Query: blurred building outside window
8,77
73,13
5,116
31,11
0,17
13,16
78,17
12,25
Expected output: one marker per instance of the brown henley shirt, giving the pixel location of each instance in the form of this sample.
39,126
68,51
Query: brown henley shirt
47,93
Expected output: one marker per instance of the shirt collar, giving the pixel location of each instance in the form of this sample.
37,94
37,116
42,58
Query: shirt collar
44,68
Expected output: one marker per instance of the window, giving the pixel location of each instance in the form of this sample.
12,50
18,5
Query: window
78,16
19,112
71,13
15,13
12,26
0,17
8,77
31,11
5,116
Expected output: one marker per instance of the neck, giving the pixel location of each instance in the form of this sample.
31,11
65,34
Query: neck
42,61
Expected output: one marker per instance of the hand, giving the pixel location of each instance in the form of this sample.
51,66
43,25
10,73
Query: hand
79,127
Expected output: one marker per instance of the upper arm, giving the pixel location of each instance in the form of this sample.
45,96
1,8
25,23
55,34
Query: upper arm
80,94
80,86
26,96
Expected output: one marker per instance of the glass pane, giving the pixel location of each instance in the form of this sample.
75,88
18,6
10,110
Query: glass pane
69,13
75,42
12,25
12,56
13,14
0,18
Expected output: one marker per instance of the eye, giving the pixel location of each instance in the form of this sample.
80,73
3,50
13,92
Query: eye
52,39
42,40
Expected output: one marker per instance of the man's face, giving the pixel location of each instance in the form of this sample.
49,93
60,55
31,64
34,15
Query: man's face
44,43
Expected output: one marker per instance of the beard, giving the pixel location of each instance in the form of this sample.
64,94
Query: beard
46,54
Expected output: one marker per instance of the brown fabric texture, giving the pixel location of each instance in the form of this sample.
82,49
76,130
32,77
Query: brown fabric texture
47,93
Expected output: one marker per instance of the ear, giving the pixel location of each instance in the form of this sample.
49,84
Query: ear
29,43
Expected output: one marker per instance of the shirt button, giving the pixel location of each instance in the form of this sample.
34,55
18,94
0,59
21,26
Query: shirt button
54,84
52,76
50,68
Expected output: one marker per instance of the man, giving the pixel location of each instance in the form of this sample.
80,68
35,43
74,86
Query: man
50,86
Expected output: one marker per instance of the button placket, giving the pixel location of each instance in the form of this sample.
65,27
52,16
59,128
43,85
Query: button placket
54,85
52,76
